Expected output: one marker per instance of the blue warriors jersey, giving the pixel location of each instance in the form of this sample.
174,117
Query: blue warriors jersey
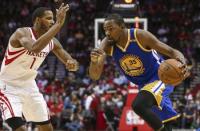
139,65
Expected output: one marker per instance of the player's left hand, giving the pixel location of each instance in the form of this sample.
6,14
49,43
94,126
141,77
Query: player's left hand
72,65
97,55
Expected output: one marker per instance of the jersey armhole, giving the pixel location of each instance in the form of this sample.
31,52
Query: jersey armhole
139,44
11,47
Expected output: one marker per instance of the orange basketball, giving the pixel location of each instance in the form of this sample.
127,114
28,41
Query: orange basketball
170,73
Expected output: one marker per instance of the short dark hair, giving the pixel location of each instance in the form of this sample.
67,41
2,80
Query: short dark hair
39,12
117,18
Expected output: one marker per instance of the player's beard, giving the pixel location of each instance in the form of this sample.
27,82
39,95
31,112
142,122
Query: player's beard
114,42
44,27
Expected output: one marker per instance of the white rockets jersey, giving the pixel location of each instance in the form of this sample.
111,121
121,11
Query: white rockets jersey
20,65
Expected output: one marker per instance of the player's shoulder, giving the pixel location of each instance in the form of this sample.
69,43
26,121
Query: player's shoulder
140,33
19,32
22,31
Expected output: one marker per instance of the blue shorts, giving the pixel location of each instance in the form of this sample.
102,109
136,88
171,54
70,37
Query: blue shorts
161,92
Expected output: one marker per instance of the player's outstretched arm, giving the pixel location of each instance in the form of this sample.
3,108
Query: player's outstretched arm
22,37
97,58
70,63
149,41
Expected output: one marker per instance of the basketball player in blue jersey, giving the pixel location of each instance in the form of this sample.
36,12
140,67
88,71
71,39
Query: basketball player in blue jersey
134,51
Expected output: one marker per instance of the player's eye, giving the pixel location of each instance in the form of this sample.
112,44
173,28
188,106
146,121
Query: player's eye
110,29
49,18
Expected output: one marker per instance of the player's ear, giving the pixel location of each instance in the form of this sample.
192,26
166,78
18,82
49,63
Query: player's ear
122,26
37,20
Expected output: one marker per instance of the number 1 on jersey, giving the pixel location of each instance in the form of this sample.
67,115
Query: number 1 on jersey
34,59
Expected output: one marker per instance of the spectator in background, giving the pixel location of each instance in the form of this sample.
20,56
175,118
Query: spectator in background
188,116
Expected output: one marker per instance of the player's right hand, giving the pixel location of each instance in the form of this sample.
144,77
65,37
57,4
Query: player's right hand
185,70
97,55
72,65
61,14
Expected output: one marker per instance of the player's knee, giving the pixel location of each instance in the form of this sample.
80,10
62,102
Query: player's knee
138,107
138,104
16,123
143,101
45,126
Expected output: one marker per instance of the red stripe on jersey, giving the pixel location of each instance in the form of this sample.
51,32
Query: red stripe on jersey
8,61
5,100
52,45
14,52
49,47
2,109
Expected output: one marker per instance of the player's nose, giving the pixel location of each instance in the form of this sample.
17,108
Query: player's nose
52,22
107,33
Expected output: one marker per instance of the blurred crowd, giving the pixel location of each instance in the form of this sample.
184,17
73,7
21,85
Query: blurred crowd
78,103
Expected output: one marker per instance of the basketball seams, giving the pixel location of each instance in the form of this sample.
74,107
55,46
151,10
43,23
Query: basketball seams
180,75
162,72
167,70
167,81
169,75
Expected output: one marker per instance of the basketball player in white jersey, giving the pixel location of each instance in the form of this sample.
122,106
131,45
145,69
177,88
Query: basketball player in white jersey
27,49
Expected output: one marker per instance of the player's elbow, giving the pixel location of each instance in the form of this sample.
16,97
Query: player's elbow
36,51
94,77
35,48
30,45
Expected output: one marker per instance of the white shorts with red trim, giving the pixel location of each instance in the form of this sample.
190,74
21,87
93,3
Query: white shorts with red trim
15,101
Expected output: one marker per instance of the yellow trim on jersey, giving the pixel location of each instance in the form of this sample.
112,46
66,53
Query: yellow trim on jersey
111,51
127,43
151,87
139,44
172,118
